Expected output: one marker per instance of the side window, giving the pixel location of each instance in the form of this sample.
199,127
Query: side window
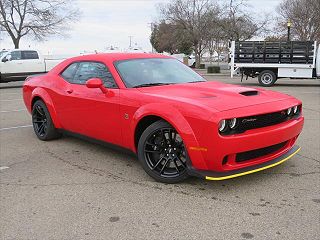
68,73
30,55
16,55
87,70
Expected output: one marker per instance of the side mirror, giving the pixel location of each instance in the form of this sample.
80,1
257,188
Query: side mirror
96,83
4,59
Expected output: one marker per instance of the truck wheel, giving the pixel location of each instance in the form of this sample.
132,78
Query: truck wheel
267,78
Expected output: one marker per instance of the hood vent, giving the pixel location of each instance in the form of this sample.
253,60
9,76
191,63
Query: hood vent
249,93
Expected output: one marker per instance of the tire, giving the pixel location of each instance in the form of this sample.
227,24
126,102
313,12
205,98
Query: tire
267,78
193,65
162,153
42,122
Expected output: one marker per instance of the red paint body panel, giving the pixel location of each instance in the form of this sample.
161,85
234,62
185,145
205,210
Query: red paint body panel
193,109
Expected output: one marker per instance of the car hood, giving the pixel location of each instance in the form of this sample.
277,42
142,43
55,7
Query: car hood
215,95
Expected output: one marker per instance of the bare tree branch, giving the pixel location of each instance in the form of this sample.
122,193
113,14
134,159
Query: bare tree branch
37,18
305,18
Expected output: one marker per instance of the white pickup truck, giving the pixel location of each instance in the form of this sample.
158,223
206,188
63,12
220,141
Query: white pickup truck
17,64
270,61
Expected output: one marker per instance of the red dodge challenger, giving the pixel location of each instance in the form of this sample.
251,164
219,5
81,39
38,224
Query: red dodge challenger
176,122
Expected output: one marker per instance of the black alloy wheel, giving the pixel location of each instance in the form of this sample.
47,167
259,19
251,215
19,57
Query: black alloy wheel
162,153
42,122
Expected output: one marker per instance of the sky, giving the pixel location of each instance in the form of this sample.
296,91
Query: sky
106,23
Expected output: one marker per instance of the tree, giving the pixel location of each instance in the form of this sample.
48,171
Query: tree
217,41
193,17
166,37
238,22
305,18
37,18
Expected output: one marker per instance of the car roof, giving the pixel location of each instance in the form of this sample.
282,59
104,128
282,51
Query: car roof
117,56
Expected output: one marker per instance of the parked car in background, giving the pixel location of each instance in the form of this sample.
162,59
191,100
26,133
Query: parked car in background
181,56
270,61
17,64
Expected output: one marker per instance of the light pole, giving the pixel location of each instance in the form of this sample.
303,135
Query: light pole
289,26
130,46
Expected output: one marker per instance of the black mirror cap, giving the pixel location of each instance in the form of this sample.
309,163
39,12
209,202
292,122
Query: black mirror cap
5,59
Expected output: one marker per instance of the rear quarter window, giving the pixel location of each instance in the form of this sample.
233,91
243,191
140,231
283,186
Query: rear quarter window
68,73
30,55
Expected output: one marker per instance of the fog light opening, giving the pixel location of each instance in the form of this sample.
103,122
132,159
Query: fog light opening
225,160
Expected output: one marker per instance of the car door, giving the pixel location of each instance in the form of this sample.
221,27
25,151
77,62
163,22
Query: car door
88,111
32,62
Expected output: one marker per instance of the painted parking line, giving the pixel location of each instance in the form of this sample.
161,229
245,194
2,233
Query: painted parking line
9,100
3,168
17,110
16,127
5,93
292,92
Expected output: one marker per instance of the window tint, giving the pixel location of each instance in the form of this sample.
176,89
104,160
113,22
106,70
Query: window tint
30,55
137,72
68,73
16,55
87,70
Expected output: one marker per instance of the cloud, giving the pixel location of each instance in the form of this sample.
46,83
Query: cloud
103,23
109,22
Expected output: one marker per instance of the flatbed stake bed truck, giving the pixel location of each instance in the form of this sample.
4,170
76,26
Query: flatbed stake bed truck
270,61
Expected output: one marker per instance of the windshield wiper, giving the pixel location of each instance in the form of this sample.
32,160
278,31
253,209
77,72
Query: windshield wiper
151,84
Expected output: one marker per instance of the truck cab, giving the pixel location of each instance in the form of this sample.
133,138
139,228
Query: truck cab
17,64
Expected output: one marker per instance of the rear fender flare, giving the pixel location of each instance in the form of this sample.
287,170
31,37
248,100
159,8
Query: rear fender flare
43,94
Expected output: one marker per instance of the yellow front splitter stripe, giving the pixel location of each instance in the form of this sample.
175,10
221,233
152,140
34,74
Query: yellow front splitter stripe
253,171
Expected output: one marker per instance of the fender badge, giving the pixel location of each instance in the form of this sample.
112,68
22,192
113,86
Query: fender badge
198,149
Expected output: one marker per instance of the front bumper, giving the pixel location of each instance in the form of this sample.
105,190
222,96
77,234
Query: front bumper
217,176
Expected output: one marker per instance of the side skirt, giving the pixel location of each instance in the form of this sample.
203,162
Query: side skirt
99,142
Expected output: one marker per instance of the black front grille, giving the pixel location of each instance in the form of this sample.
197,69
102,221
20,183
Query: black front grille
249,155
259,121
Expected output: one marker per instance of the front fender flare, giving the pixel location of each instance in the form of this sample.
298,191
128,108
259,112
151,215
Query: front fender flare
43,94
178,121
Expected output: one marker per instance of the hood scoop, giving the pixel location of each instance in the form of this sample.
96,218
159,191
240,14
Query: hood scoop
249,93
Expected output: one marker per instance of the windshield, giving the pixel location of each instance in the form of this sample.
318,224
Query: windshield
155,71
2,53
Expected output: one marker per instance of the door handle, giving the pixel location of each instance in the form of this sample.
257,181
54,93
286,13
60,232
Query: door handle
69,91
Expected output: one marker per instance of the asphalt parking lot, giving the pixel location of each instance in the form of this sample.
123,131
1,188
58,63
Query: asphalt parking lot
72,189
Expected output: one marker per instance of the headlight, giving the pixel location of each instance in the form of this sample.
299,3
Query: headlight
289,111
295,109
222,125
233,123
